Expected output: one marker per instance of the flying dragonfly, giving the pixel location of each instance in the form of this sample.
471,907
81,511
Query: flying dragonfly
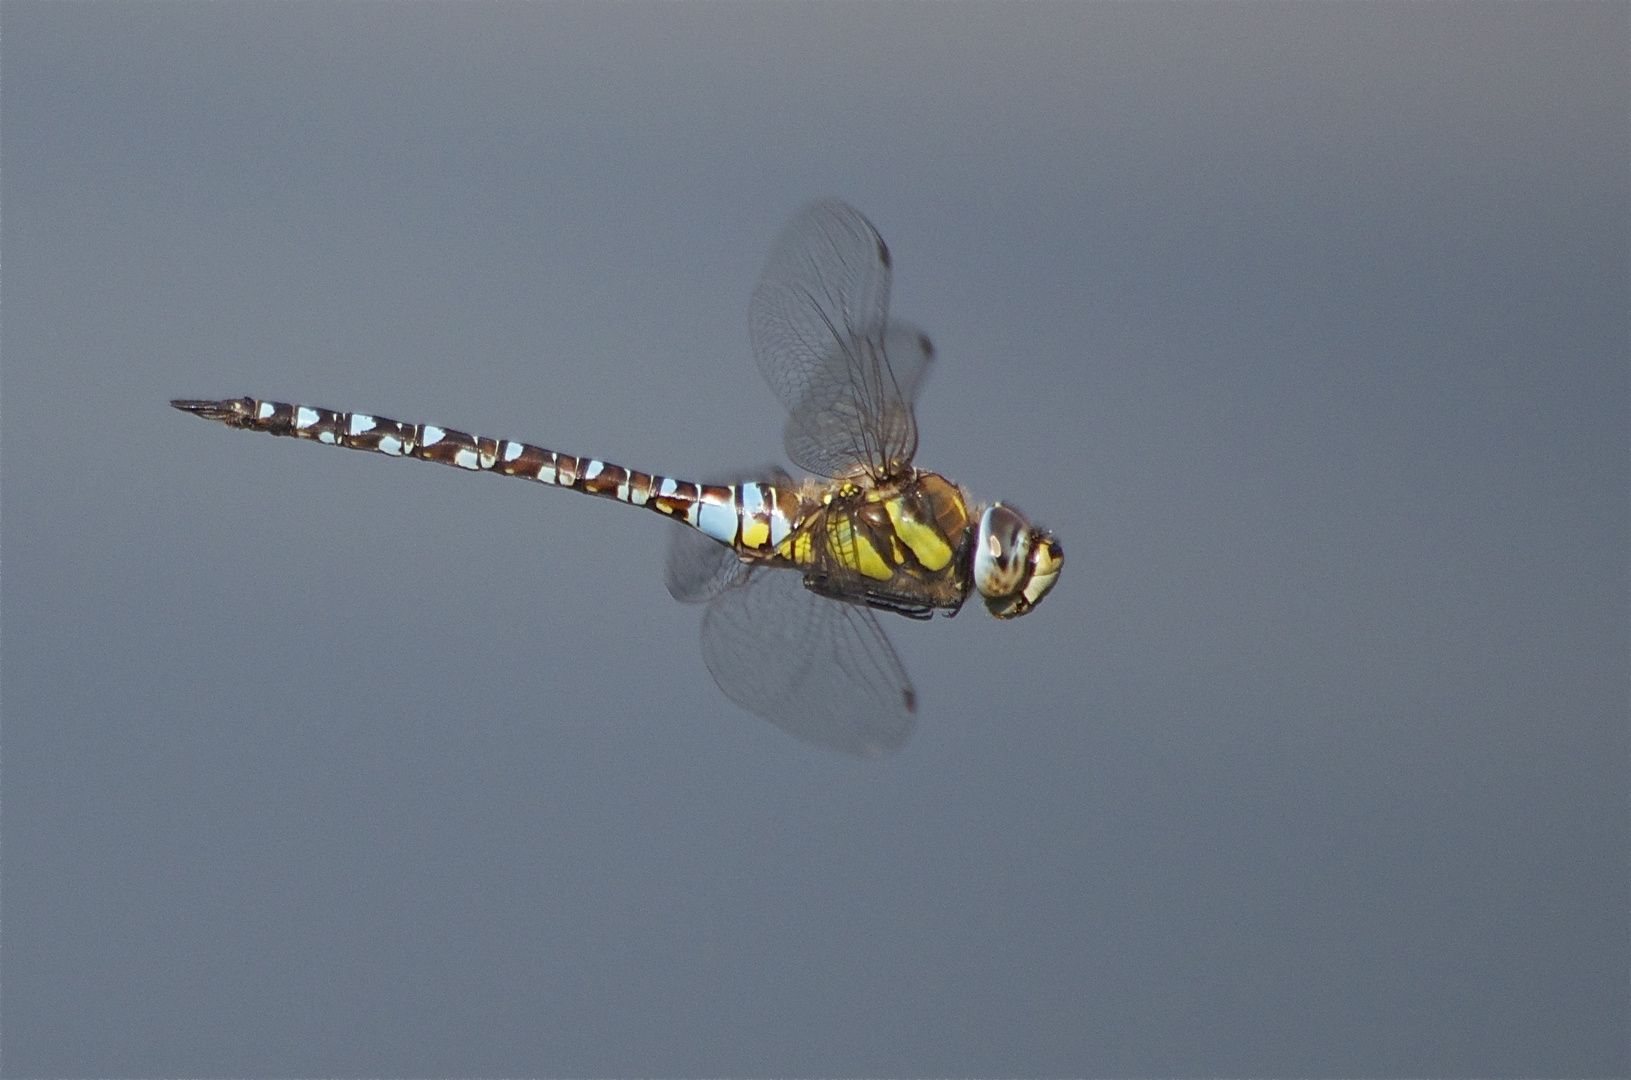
791,571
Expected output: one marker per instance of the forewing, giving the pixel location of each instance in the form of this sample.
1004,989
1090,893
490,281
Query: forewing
910,354
833,434
819,323
816,668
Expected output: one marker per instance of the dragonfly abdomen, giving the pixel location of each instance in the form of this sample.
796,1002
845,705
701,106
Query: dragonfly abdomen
753,518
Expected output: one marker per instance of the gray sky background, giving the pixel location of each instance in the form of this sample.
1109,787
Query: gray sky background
1305,327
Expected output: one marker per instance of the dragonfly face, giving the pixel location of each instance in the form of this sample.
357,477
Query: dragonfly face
1015,565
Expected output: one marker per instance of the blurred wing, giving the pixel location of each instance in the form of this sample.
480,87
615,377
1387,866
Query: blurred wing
816,668
821,336
836,431
699,567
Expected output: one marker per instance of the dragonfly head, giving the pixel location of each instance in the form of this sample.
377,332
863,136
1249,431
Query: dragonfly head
1014,564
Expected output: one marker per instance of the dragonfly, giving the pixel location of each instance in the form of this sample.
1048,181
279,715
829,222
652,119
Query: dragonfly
792,572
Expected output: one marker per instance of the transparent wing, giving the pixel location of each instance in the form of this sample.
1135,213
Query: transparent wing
699,568
816,668
838,432
822,339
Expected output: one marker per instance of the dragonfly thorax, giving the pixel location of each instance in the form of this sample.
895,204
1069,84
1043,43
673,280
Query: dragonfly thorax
899,547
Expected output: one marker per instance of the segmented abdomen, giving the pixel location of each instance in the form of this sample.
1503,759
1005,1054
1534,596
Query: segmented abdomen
753,518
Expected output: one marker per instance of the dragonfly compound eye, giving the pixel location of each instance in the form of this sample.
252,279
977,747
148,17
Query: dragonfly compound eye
1000,549
1014,565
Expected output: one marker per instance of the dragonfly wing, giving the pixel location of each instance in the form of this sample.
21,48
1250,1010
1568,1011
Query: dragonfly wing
816,668
910,354
819,320
699,567
832,433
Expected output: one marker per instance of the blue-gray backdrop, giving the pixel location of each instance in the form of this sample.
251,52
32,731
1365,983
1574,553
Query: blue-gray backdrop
1304,326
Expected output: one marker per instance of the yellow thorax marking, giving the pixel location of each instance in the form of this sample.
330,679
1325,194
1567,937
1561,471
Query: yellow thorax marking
799,548
929,546
854,550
